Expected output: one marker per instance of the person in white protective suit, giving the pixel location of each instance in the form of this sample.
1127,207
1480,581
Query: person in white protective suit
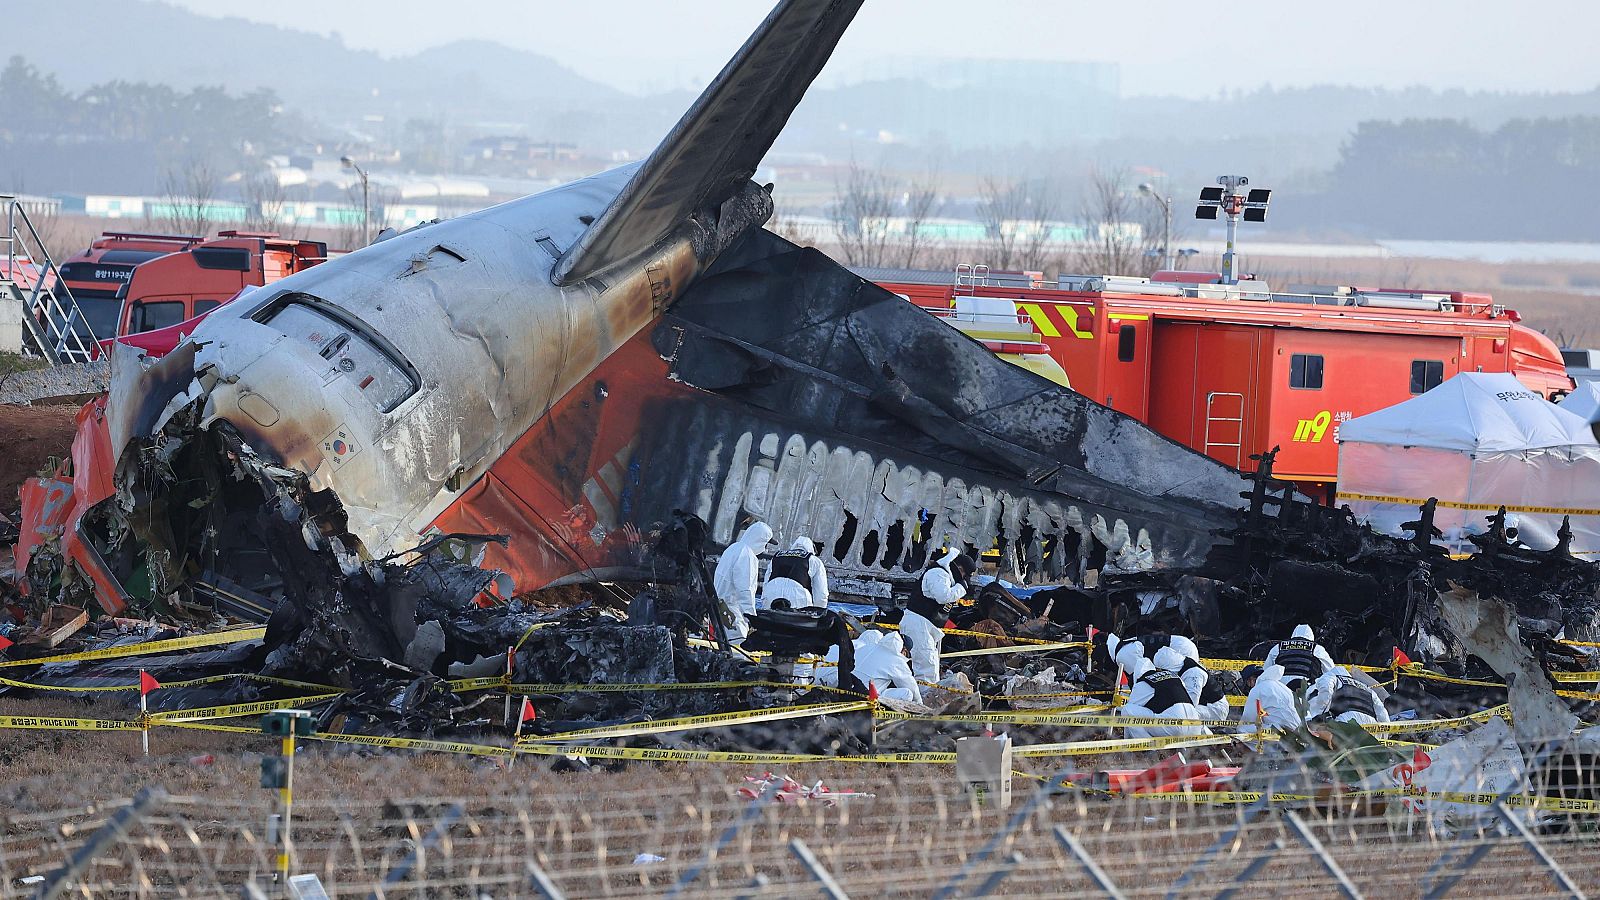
1275,701
798,576
1205,688
1126,652
880,660
738,573
1302,658
1342,697
884,664
942,586
1159,691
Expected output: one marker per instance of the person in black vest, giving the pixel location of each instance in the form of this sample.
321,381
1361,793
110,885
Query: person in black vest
797,576
943,584
1126,652
1205,688
1158,690
1342,697
1304,661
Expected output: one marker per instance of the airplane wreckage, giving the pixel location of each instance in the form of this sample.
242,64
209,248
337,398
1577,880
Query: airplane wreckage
383,457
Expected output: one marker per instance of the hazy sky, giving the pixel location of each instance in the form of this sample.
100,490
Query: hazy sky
1178,47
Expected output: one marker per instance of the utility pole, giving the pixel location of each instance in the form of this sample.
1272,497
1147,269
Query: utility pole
1150,191
366,200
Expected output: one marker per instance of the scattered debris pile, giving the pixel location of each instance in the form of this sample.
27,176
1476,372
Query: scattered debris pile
1291,560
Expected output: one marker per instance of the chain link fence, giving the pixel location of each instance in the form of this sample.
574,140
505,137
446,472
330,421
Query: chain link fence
658,830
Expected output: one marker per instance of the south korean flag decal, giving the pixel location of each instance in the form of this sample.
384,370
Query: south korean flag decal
339,447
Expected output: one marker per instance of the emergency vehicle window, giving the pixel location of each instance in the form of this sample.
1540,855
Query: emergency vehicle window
1426,374
1126,338
1305,371
381,378
205,306
156,314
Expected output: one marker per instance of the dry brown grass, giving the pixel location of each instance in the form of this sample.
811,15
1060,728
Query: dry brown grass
358,812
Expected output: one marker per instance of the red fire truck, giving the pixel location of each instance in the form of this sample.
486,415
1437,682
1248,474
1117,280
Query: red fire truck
1233,370
132,284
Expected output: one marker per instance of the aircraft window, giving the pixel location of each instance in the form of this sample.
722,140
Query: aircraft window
1426,374
381,378
1305,371
1126,336
148,316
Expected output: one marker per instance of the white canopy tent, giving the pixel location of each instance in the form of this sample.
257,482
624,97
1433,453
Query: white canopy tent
1476,442
1584,402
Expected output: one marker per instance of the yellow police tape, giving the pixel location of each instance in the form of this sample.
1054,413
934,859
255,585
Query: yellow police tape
1458,504
984,634
474,684
189,682
1044,718
1234,665
684,723
56,723
995,651
232,636
235,710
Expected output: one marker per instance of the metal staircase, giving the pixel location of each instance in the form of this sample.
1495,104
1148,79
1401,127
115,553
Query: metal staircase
52,324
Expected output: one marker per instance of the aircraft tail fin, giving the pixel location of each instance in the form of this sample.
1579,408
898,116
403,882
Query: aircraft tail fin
715,148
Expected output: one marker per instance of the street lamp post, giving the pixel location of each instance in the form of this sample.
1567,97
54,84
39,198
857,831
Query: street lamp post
366,200
1166,210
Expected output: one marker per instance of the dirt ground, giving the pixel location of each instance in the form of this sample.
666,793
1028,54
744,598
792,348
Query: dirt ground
29,436
359,813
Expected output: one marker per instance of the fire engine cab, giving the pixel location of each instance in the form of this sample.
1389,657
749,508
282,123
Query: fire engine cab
1233,370
136,284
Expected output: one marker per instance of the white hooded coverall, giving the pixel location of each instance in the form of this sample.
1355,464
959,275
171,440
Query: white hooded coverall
879,660
1195,678
795,592
1141,694
1126,652
738,573
1320,698
1276,703
926,637
1304,632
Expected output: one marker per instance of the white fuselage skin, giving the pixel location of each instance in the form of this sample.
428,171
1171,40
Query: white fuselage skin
494,344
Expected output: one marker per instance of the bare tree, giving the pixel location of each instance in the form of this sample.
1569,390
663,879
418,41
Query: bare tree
1118,239
264,200
920,202
188,195
860,216
878,220
1018,221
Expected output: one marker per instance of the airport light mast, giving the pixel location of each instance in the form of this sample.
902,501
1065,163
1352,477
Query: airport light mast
1234,201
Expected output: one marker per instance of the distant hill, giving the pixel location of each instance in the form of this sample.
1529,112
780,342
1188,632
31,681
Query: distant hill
461,83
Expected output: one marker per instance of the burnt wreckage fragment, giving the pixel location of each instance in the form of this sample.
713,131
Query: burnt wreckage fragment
1291,560
834,410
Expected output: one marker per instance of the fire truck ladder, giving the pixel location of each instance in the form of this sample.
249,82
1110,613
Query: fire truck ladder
52,324
970,277
1215,418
